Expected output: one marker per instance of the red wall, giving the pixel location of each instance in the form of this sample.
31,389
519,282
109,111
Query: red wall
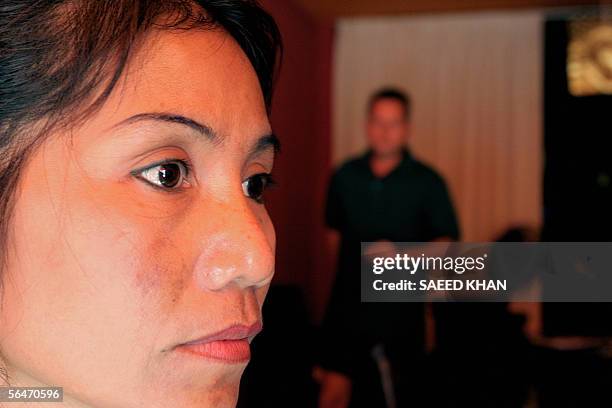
301,116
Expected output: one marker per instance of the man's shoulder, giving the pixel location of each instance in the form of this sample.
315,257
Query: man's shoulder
349,167
426,171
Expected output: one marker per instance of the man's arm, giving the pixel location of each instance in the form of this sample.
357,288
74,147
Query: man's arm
441,213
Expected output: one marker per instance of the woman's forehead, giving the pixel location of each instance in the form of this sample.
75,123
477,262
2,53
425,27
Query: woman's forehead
201,74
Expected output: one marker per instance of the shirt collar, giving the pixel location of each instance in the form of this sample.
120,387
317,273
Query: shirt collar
406,157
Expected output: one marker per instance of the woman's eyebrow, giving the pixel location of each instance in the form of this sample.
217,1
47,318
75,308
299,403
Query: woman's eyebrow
265,143
202,129
269,141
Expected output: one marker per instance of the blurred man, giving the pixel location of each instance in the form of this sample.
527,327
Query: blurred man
373,353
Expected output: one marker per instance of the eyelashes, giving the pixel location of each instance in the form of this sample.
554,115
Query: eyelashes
255,186
172,175
167,175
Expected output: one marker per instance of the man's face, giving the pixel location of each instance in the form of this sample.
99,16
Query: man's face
387,127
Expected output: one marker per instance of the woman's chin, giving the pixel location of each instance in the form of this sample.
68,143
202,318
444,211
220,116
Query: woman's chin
199,385
223,396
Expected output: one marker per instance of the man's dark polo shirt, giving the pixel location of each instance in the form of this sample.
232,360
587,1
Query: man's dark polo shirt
410,204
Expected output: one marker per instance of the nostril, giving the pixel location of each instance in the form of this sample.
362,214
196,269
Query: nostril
264,281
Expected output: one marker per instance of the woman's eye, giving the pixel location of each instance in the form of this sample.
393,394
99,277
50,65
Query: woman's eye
255,186
167,175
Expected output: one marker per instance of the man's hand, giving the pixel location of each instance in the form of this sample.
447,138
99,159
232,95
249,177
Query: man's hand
335,388
383,248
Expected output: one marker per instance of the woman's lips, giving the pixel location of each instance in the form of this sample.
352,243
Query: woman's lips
230,345
229,351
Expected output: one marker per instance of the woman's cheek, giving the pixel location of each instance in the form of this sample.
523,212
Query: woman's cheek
143,257
85,274
162,272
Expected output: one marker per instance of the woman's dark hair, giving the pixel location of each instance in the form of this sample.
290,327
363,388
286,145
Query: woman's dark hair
60,60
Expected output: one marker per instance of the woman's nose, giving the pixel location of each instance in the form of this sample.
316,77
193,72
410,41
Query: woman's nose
235,249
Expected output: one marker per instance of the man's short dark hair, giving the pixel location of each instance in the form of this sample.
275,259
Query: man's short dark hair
392,93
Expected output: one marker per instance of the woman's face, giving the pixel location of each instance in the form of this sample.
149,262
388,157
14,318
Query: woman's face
139,257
